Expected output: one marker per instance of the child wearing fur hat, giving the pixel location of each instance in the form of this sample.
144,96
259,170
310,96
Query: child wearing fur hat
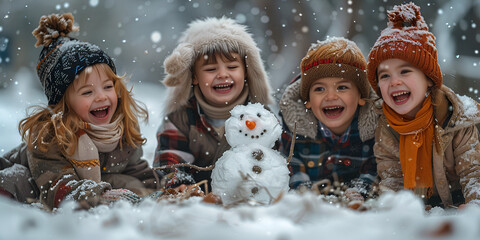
85,145
215,67
426,140
331,105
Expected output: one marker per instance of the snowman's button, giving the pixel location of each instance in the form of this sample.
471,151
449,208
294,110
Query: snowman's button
310,164
257,169
255,190
257,154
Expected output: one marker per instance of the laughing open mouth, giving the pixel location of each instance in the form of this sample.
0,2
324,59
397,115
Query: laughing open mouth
333,111
101,112
223,87
400,96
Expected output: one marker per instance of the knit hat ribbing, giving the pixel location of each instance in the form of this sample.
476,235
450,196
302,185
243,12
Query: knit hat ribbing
215,34
62,57
406,37
334,57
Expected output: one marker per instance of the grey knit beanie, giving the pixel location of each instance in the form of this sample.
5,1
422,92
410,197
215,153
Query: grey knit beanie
63,57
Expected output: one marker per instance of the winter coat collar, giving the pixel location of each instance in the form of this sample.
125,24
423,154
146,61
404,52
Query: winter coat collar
294,111
463,112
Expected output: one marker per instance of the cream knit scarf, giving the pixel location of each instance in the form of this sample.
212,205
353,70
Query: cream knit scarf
219,112
92,140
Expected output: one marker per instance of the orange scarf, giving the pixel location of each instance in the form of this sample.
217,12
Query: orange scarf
416,146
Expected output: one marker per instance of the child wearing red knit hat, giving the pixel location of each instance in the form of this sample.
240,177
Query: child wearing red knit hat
426,140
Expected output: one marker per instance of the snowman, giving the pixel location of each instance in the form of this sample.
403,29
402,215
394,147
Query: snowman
251,170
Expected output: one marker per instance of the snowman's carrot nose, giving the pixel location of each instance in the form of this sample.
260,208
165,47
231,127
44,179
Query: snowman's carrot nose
250,124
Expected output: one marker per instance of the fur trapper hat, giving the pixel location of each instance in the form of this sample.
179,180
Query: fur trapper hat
202,36
62,57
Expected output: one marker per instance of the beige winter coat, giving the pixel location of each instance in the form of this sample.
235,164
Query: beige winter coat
456,156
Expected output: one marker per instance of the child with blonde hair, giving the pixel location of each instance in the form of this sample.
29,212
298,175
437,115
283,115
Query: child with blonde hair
426,140
85,145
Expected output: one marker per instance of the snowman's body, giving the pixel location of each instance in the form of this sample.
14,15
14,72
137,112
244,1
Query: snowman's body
251,169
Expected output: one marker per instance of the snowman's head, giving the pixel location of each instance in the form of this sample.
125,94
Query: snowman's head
252,124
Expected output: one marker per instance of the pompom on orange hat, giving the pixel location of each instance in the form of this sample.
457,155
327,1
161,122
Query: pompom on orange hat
406,37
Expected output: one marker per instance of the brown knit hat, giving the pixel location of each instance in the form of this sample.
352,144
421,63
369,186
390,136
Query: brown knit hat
406,37
334,57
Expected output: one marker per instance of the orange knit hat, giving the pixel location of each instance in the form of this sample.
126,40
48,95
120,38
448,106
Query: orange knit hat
334,57
407,38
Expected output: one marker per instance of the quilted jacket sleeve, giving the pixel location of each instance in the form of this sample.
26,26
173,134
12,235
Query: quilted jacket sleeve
57,180
388,161
466,150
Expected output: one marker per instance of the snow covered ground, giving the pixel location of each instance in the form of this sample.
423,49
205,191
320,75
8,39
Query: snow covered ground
393,216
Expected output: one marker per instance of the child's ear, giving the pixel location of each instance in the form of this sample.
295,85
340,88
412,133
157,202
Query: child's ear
361,101
430,83
308,105
195,81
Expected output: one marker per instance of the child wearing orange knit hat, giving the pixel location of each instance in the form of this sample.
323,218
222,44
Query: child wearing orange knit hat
426,140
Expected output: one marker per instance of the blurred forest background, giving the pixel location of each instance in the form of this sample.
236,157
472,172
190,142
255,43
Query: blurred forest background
140,34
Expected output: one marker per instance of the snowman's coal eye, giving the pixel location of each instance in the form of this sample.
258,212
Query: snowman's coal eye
258,115
241,117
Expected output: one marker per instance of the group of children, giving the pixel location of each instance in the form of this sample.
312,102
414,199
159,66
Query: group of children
389,121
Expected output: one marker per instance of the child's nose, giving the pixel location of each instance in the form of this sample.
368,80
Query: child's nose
395,81
222,73
332,95
101,96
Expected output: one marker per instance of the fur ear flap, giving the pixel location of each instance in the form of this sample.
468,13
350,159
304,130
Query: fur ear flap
178,96
171,81
180,60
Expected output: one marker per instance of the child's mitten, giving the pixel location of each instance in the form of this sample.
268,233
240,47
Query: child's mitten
114,195
87,192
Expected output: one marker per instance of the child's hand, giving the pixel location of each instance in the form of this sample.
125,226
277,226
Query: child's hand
353,195
355,199
186,191
212,198
87,192
181,188
114,195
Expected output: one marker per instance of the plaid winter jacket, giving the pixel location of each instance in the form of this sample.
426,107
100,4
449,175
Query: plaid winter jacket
318,155
186,137
56,178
